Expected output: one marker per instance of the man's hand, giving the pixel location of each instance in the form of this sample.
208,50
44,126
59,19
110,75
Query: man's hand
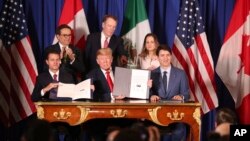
50,86
123,60
178,97
70,53
154,98
149,83
119,97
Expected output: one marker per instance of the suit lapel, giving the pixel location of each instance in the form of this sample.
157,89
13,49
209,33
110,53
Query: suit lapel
99,44
160,83
171,80
103,79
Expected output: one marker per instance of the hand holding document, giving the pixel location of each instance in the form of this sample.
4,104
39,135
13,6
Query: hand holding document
81,90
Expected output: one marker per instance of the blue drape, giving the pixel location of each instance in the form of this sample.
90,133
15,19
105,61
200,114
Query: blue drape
42,18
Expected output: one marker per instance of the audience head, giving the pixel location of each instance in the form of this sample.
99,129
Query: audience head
109,24
63,34
226,115
104,58
150,43
38,130
53,60
112,132
214,136
141,129
128,134
164,55
224,118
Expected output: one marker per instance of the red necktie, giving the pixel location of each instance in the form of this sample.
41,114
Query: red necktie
109,81
106,43
55,78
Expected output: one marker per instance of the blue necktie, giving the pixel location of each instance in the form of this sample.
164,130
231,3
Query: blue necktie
164,80
53,92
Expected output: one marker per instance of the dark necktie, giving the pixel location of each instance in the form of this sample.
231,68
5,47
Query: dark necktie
109,80
106,43
164,80
64,55
53,92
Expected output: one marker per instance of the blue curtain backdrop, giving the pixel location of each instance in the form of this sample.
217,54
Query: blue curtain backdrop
42,17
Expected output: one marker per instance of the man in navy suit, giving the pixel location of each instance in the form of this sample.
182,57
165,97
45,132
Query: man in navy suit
46,82
104,39
172,86
71,56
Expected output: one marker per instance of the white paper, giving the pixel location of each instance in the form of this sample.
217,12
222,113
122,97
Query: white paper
139,84
131,83
80,90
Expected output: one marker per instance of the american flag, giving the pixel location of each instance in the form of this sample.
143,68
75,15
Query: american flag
18,68
191,52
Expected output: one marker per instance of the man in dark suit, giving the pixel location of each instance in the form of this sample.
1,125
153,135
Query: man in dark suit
71,56
101,76
45,81
169,83
104,39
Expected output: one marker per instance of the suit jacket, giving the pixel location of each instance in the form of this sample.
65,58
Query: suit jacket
93,43
43,79
178,84
76,67
102,91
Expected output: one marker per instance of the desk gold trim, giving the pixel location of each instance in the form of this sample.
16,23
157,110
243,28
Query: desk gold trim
161,113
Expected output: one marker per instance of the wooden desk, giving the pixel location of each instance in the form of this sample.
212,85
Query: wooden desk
161,113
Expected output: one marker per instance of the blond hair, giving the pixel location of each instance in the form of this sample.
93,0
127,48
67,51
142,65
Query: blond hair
104,51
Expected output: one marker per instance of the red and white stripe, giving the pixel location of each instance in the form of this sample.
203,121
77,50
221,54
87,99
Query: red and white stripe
229,65
198,65
73,14
18,74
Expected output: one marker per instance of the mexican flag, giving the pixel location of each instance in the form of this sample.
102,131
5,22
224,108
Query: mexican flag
135,24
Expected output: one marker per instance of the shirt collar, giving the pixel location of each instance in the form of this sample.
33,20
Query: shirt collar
168,69
52,73
61,46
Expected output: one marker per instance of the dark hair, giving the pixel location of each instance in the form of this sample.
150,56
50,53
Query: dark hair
39,130
60,27
109,16
214,136
128,134
51,51
141,129
163,47
226,115
144,51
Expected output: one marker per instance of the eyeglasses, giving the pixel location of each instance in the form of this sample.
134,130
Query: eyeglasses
66,35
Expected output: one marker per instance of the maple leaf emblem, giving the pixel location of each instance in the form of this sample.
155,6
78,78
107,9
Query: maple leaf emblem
245,54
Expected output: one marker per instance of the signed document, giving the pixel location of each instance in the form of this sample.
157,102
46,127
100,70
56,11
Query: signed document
131,83
79,91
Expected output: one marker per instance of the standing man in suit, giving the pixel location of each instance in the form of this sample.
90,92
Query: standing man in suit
105,39
71,56
169,83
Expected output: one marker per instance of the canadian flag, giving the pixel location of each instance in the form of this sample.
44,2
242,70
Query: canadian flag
233,65
73,15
